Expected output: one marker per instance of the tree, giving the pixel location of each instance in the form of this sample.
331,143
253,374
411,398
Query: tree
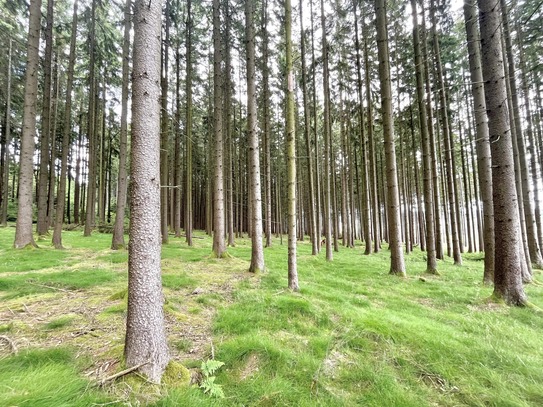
219,246
66,138
482,144
431,260
188,118
7,141
117,240
145,341
291,154
397,265
23,231
507,272
257,251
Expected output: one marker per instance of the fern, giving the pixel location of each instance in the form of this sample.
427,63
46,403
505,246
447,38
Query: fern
211,366
208,384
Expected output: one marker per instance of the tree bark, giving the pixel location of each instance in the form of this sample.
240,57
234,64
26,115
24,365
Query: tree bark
145,332
431,257
257,251
397,265
66,138
188,118
219,246
507,273
23,231
7,141
117,241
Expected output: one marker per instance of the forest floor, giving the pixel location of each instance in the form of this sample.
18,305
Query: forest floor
354,335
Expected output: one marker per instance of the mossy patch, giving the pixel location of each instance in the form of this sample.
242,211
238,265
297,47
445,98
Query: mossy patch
176,375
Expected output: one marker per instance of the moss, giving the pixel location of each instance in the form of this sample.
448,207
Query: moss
176,375
119,295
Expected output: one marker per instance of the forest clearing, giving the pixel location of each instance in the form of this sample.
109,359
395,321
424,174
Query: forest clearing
353,335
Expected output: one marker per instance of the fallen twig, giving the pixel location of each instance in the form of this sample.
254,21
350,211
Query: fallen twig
48,286
122,373
10,343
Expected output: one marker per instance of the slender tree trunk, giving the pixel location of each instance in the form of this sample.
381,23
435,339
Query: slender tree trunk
219,246
327,142
7,141
291,154
145,341
431,256
314,235
366,202
23,231
266,133
188,118
42,225
257,251
91,173
164,131
117,241
507,273
66,136
397,265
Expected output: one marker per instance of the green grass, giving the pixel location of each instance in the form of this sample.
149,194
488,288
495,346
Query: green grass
353,335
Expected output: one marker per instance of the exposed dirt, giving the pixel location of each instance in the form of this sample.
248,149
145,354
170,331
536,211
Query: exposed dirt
93,320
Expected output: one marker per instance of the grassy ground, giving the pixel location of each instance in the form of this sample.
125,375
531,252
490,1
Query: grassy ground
353,336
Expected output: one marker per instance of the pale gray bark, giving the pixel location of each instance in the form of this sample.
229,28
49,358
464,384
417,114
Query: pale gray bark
145,332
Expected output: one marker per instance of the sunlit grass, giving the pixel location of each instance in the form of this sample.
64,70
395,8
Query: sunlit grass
353,335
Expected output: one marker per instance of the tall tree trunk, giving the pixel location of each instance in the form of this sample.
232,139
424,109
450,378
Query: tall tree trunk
507,273
257,251
42,225
145,342
449,157
312,206
291,154
23,231
219,246
327,141
164,131
4,193
117,240
66,136
91,173
397,265
266,132
431,257
188,118
366,202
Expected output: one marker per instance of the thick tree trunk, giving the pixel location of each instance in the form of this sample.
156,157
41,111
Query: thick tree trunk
397,265
507,273
23,231
145,341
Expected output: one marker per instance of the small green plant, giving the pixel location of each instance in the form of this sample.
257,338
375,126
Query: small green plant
208,383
